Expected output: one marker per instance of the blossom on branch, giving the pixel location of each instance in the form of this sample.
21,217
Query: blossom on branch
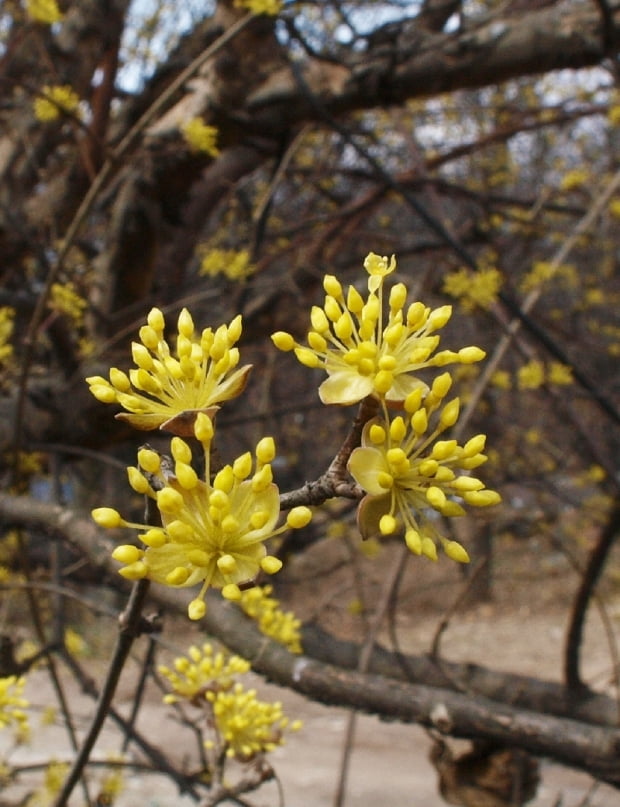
410,475
167,389
213,532
45,11
366,353
54,101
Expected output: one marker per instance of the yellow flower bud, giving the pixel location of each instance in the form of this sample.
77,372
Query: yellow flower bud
119,380
456,552
227,564
270,565
482,498
178,576
265,450
231,592
259,519
436,497
186,475
203,428
104,393
169,500
398,429
154,537
307,357
443,449
355,301
224,479
149,337
299,517
318,320
449,414
439,317
242,466
137,481
470,355
185,324
413,541
465,483
127,554
135,571
141,356
196,610
262,479
429,549
179,531
387,524
474,446
156,320
377,434
235,330
332,309
398,297
149,460
441,386
107,517
283,340
198,557
332,286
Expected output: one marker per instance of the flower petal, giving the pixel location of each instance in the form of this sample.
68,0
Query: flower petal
365,465
345,387
369,514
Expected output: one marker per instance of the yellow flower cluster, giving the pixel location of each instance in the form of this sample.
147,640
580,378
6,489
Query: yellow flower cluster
534,374
407,471
168,389
203,669
233,264
362,354
271,7
45,11
247,726
199,136
7,316
55,100
13,704
473,288
574,179
282,626
241,725
213,532
55,775
409,475
65,300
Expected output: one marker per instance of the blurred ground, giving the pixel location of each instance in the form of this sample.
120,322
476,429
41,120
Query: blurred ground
389,765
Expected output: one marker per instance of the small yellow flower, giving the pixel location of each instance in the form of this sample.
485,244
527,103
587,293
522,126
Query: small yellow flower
271,7
246,725
199,136
576,178
202,670
12,703
65,300
167,390
362,354
45,11
282,626
7,316
560,374
409,474
473,288
531,375
233,264
213,531
55,100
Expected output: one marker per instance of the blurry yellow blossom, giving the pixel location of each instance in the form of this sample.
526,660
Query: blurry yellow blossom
12,703
49,715
282,626
45,11
260,6
473,288
233,264
613,114
213,530
559,373
55,775
7,315
531,375
614,208
53,101
576,178
543,271
168,389
501,379
362,354
202,670
112,782
247,726
65,300
75,644
409,474
200,136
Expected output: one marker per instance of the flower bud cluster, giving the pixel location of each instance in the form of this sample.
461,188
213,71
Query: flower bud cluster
213,531
282,626
366,353
241,726
168,388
